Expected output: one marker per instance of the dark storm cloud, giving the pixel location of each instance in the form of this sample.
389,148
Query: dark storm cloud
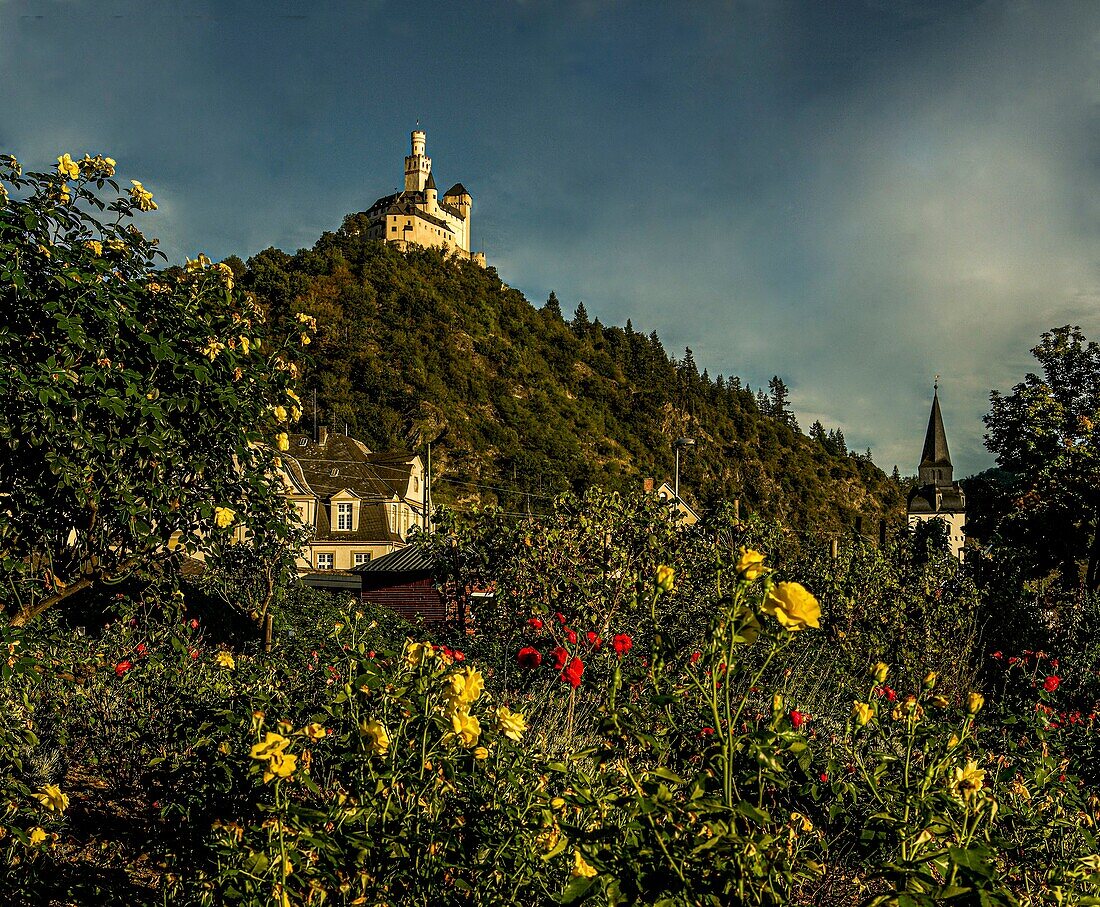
853,195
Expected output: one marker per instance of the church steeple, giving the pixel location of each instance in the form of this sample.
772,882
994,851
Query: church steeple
935,461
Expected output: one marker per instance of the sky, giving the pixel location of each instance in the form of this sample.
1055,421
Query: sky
857,196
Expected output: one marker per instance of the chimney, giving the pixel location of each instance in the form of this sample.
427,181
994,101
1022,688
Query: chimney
647,486
322,435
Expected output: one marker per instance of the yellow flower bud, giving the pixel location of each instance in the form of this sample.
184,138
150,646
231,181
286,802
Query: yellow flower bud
863,712
879,672
665,577
974,703
929,680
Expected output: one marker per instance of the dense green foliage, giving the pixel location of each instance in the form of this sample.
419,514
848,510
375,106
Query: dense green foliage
708,743
414,348
1046,435
135,402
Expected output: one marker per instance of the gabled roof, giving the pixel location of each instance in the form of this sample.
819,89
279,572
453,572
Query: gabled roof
456,189
372,476
935,440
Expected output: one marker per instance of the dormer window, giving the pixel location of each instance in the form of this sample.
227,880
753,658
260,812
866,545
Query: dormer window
344,516
334,472
302,442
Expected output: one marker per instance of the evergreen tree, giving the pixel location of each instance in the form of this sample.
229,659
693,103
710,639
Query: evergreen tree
581,324
896,475
553,307
763,402
817,432
780,407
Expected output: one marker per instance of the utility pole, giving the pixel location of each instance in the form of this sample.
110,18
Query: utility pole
676,445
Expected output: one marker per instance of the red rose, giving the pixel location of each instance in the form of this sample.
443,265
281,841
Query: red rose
695,656
706,732
458,656
1051,683
1054,663
824,777
194,654
561,656
560,617
122,667
535,623
594,641
998,654
141,648
622,643
572,674
797,719
571,635
529,657
194,624
890,694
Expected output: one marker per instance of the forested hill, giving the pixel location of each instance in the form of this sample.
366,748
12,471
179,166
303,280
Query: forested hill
522,403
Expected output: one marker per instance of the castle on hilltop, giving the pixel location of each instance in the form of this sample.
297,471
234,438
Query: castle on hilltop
418,216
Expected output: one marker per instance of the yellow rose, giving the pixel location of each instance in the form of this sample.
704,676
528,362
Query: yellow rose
314,731
665,577
225,660
272,743
512,724
863,712
750,565
280,765
466,727
306,341
377,735
52,798
974,703
280,413
67,167
282,441
481,754
246,344
144,200
37,836
224,517
968,780
416,653
212,348
879,672
793,606
581,868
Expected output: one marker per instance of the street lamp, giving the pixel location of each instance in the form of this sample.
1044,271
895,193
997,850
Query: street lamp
677,445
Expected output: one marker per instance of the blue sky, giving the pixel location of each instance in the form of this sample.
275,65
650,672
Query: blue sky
854,195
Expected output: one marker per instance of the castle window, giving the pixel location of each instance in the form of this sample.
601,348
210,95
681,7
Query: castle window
393,229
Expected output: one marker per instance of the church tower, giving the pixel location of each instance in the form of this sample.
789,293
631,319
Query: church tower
937,495
418,166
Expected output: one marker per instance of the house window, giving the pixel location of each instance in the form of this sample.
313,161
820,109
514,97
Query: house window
361,557
393,229
393,517
343,517
325,561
